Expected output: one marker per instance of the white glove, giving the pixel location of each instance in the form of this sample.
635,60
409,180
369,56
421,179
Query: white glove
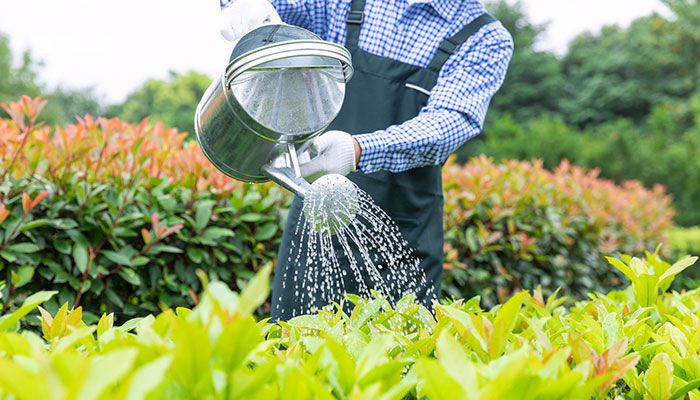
242,16
335,155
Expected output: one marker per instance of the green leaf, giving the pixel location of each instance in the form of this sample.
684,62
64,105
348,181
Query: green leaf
80,256
341,365
21,383
34,224
256,292
251,217
23,248
104,371
203,213
687,388
462,321
646,290
437,384
167,202
130,276
114,298
667,277
246,335
161,248
8,256
383,372
624,268
504,324
509,377
63,246
30,303
140,261
117,258
266,232
148,377
195,254
455,360
64,223
658,379
215,233
105,323
639,266
23,275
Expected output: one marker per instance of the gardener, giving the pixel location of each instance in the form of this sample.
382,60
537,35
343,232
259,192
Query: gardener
425,72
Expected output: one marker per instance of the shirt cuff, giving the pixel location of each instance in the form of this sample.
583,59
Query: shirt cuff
373,146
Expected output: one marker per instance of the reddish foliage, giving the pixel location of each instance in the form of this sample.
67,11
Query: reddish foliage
107,150
515,186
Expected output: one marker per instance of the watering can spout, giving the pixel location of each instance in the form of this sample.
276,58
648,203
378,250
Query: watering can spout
287,178
284,171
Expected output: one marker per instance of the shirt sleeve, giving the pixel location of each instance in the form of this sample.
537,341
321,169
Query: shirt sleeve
455,112
308,14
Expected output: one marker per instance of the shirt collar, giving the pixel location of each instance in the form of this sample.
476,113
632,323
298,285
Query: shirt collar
446,8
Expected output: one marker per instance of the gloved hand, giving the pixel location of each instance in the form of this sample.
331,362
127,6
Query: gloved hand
337,153
242,16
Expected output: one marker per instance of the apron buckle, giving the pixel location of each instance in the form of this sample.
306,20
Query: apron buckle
355,17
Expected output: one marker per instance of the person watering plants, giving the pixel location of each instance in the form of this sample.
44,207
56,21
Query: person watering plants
425,72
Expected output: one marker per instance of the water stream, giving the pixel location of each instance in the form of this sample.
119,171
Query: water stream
345,243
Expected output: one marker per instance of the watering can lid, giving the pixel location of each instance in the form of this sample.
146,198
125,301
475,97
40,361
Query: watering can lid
270,34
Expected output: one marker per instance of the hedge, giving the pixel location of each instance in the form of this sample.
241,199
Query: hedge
517,225
122,217
640,343
686,241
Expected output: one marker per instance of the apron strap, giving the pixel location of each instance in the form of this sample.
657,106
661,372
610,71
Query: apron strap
450,45
354,19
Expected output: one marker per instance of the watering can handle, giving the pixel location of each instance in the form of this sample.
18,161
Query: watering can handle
288,49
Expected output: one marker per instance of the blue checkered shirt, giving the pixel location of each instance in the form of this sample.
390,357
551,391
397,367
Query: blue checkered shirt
410,31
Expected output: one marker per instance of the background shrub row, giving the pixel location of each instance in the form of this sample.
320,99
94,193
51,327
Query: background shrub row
121,217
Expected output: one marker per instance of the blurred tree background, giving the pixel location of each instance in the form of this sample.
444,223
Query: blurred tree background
624,100
172,101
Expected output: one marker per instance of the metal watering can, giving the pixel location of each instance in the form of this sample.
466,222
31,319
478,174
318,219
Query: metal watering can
282,87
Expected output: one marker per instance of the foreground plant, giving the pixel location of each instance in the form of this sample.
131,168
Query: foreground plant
608,346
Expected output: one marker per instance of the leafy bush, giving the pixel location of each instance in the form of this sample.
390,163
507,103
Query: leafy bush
122,216
686,241
639,343
517,225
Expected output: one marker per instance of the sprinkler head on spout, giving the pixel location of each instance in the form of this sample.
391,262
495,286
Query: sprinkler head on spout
331,204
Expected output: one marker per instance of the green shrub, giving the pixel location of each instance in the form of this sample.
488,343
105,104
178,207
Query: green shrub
129,250
641,343
684,241
517,225
120,217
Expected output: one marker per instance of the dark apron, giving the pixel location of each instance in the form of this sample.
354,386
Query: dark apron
378,97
